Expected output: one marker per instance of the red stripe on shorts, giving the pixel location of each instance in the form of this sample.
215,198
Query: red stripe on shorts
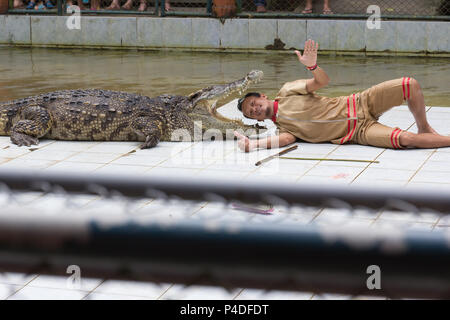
403,87
392,138
407,84
396,138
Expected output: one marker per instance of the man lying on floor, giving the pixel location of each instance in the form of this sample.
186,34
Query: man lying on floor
299,113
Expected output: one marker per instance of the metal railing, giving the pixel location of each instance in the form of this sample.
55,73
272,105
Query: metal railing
168,242
117,7
186,8
61,7
347,8
386,9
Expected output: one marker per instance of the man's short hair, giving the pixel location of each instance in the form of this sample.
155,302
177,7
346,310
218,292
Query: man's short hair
250,94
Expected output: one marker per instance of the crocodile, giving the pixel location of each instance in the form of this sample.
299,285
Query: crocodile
105,115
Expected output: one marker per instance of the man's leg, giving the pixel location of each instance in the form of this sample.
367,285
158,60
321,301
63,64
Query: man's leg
383,96
423,140
416,104
376,134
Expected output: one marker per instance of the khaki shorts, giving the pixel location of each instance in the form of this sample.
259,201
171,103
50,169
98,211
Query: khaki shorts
379,99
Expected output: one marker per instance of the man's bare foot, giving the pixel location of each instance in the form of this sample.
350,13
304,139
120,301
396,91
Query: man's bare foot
142,6
327,10
261,9
427,129
114,6
128,5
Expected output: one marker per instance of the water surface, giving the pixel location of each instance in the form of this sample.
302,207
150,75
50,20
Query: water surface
30,71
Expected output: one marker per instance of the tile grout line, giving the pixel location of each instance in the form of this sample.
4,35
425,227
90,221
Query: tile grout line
171,156
421,166
436,223
65,159
102,165
238,294
214,162
55,161
30,151
379,156
26,284
321,209
164,292
425,161
316,215
366,167
92,291
316,164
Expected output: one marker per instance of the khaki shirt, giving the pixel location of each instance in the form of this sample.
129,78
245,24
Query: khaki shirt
314,118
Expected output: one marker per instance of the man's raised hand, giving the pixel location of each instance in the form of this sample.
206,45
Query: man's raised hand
244,143
309,57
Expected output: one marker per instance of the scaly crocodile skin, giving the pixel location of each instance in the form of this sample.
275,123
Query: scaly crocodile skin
116,116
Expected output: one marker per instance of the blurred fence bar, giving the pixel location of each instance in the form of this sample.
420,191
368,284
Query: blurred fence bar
408,200
229,253
307,258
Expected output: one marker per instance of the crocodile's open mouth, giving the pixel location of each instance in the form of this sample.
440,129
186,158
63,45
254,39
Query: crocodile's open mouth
210,96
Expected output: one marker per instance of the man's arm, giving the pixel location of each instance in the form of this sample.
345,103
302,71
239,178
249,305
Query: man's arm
247,145
309,59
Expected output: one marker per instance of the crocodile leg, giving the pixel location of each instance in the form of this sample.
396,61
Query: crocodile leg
151,129
35,123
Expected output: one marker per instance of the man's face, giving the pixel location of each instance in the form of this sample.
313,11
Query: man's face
256,108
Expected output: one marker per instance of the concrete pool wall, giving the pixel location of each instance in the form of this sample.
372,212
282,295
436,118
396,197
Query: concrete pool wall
335,36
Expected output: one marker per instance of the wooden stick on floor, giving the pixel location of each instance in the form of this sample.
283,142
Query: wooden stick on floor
276,155
326,159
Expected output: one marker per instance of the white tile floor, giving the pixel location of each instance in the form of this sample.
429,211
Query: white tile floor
222,160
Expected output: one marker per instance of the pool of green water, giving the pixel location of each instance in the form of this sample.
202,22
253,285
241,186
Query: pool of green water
29,71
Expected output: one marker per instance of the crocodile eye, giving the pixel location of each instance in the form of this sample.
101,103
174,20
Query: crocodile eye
194,96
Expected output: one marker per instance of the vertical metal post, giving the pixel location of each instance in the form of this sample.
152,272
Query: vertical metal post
209,6
59,5
156,7
163,8
239,5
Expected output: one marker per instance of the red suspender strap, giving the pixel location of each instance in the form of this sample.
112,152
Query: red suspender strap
350,133
354,115
275,110
348,121
348,115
